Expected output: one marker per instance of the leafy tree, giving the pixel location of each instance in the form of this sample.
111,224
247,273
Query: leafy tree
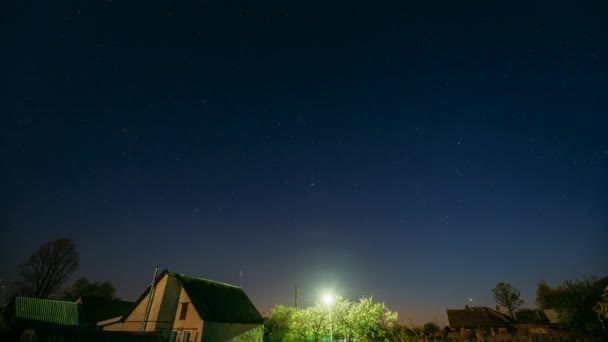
574,301
298,327
401,333
431,329
545,296
507,296
341,320
278,324
371,320
48,268
601,310
310,324
417,330
83,287
360,321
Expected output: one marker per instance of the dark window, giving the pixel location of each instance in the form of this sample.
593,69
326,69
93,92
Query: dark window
182,314
186,335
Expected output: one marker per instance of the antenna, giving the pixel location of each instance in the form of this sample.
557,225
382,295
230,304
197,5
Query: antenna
144,323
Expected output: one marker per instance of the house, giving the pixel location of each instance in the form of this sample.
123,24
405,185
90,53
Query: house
531,322
531,316
54,320
185,308
480,320
553,319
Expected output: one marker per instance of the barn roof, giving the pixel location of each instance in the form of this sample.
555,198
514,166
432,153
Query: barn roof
474,317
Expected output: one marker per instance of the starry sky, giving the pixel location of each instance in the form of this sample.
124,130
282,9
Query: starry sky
419,152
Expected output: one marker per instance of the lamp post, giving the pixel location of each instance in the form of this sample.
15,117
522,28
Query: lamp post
329,299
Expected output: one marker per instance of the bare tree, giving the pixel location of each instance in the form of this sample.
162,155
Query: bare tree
508,297
48,268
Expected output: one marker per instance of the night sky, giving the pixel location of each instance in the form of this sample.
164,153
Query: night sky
416,152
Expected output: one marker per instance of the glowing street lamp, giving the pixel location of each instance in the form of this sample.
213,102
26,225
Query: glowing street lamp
328,299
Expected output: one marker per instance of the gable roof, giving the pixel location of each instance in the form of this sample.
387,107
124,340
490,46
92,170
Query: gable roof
213,301
477,317
97,309
219,302
552,316
48,311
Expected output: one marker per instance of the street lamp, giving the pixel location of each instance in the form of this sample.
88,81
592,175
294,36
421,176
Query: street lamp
329,299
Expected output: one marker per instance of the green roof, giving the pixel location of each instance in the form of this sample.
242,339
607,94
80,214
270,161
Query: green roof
97,310
48,311
219,302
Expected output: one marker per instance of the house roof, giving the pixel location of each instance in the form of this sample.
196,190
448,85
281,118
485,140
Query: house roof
97,309
552,316
530,316
48,311
474,317
214,301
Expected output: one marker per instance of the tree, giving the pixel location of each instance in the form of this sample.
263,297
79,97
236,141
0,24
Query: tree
401,333
278,324
310,324
574,301
545,296
341,320
360,321
48,268
82,287
601,310
507,296
431,329
371,321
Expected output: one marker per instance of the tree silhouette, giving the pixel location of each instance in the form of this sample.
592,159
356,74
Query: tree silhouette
83,287
48,268
508,297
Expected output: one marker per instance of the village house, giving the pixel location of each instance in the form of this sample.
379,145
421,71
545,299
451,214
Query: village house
188,309
480,321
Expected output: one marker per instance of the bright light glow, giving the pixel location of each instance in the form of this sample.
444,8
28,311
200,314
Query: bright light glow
328,299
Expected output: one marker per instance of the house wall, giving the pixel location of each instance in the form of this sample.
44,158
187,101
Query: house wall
169,303
232,332
192,322
162,311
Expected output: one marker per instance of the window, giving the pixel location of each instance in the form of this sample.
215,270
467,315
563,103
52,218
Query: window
186,334
182,314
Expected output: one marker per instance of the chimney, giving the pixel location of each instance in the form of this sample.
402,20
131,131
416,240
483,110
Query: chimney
498,308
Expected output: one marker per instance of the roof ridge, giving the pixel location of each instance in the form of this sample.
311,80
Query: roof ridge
183,275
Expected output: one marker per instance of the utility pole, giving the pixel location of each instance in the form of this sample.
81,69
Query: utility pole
296,297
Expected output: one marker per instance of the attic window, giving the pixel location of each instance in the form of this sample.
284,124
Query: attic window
182,314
